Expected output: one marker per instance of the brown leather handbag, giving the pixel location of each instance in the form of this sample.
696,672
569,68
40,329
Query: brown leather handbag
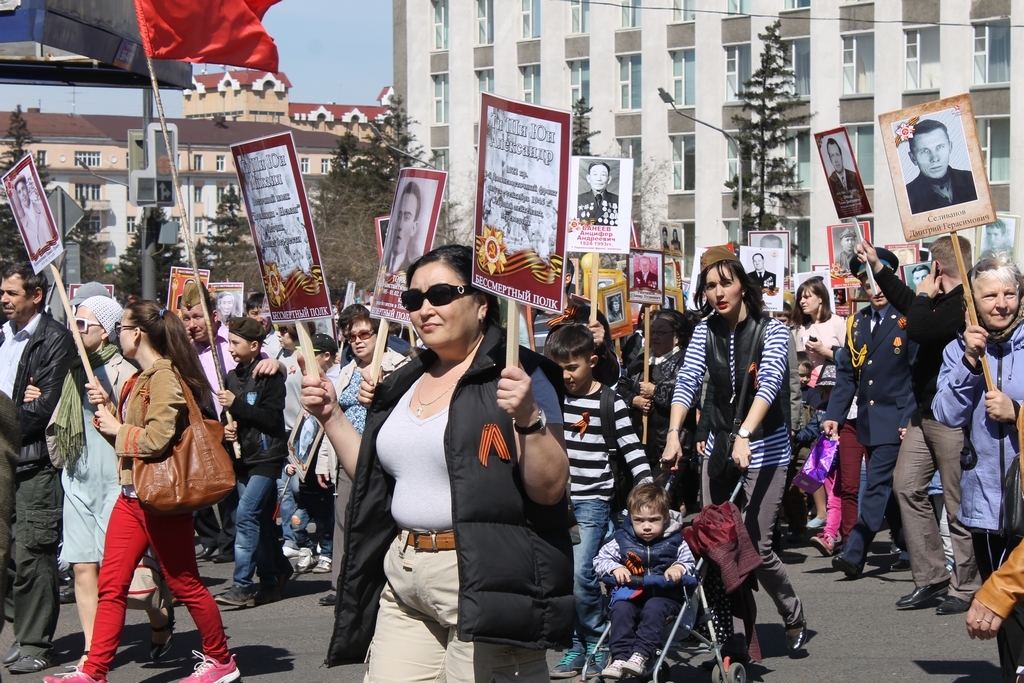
195,474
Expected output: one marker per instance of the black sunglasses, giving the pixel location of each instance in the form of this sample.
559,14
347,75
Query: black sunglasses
437,295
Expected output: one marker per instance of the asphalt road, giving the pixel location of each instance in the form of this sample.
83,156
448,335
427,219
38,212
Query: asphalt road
855,635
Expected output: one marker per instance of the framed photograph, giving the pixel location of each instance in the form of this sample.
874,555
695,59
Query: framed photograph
913,273
937,167
176,285
671,238
646,276
304,443
906,253
381,223
840,166
674,300
772,240
614,305
603,188
228,299
998,237
32,213
669,271
842,251
764,268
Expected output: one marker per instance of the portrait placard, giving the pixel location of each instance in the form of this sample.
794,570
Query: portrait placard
32,213
998,237
674,300
906,253
842,251
410,234
646,276
613,303
913,273
764,269
671,238
521,202
937,168
282,228
840,166
772,240
303,443
228,299
176,285
603,191
381,225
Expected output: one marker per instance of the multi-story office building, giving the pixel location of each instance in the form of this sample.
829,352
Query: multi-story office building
852,61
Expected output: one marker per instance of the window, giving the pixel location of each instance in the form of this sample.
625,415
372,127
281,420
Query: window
531,83
441,159
485,79
484,22
732,157
631,148
129,225
630,85
994,136
801,65
197,162
683,10
197,194
798,156
41,158
992,53
221,191
737,70
325,165
220,163
797,4
199,225
684,79
630,13
86,192
739,6
89,159
531,18
683,162
440,98
440,24
858,64
922,53
304,165
580,15
862,140
579,81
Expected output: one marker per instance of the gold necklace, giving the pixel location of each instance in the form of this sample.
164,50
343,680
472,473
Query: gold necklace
419,411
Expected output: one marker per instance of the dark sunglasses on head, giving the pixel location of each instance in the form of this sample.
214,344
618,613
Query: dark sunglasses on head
437,295
362,334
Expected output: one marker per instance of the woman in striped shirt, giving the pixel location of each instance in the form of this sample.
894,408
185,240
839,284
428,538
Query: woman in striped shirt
721,345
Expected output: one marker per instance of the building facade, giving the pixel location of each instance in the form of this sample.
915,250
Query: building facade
852,61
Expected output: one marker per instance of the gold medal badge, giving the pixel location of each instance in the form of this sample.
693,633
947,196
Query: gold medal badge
491,250
897,343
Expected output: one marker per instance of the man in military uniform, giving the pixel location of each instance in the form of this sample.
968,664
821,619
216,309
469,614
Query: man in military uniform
598,204
873,368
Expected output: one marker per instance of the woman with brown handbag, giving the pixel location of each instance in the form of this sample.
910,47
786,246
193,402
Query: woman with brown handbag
154,417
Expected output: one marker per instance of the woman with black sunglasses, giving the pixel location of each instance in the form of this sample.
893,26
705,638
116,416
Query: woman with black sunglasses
457,528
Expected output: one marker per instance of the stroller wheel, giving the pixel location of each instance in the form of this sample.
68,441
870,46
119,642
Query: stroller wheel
716,675
737,674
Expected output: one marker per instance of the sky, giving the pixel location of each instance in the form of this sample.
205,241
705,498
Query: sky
331,50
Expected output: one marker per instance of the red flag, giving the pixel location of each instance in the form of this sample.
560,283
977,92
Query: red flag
208,32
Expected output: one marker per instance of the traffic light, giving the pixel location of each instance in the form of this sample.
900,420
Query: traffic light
153,185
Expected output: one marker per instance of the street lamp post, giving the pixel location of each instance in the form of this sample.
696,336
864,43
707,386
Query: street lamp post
668,99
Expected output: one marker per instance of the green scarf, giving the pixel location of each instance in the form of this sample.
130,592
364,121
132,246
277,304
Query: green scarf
70,422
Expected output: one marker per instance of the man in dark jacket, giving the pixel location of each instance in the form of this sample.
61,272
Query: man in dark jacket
938,184
256,405
934,317
36,350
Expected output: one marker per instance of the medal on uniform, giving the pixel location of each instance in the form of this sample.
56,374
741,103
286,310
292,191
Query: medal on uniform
897,343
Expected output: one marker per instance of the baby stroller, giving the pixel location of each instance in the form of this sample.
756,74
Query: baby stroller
695,618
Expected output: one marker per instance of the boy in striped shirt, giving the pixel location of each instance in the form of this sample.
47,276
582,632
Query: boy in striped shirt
592,487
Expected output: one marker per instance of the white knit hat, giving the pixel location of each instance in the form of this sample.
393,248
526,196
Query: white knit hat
107,311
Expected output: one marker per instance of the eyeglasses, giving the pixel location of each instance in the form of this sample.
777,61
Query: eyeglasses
437,295
362,335
118,328
83,325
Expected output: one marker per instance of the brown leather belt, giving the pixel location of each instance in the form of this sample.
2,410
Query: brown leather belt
431,541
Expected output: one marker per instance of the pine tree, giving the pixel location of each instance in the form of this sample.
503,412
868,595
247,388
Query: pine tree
770,101
17,139
581,132
227,250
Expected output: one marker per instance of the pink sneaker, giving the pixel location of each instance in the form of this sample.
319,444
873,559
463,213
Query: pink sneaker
825,543
210,671
75,676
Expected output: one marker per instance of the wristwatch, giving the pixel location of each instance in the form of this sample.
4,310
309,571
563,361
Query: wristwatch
743,432
541,422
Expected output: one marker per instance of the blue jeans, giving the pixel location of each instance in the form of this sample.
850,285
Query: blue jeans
593,517
256,547
288,490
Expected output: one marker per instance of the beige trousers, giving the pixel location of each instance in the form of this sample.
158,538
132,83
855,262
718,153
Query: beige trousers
415,638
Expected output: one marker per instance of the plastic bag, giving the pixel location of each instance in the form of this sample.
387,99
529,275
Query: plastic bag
817,466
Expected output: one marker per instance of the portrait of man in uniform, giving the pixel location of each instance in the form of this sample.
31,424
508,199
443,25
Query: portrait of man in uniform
761,277
598,204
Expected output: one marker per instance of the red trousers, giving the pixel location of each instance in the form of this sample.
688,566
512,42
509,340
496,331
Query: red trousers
847,487
130,532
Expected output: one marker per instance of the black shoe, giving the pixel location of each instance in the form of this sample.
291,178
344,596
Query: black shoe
952,605
236,596
267,594
224,559
12,655
67,595
922,595
158,650
29,665
842,564
329,600
205,553
796,636
900,566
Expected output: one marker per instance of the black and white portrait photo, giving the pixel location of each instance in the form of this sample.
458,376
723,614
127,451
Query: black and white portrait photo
763,268
772,241
304,442
939,171
228,299
31,213
840,166
603,191
999,237
914,273
616,308
410,229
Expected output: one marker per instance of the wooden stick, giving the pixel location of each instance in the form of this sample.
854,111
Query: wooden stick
512,335
595,268
969,299
379,349
647,359
308,352
82,353
412,335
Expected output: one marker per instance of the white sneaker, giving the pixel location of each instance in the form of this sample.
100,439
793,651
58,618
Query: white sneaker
614,670
323,565
291,553
635,665
306,561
